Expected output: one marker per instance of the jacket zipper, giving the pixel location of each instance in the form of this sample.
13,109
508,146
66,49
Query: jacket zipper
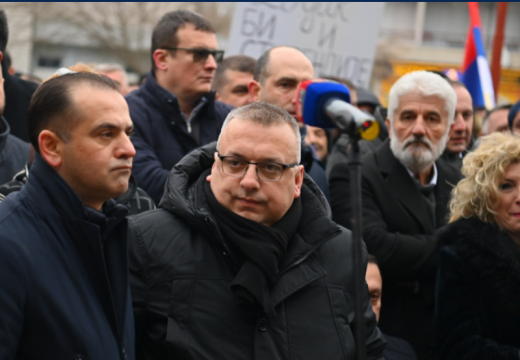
305,256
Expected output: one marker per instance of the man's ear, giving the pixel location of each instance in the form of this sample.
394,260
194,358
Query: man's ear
255,89
217,96
387,122
298,181
51,148
213,167
159,58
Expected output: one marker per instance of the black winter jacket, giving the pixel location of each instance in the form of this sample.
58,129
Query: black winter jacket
182,268
14,153
478,292
161,136
64,290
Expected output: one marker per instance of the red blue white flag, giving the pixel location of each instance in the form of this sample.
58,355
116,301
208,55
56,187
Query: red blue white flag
476,74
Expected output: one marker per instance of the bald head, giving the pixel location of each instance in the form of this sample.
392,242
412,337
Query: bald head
275,54
278,73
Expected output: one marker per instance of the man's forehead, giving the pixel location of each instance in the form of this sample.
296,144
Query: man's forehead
243,123
237,75
463,95
412,100
499,114
189,35
87,99
289,62
254,132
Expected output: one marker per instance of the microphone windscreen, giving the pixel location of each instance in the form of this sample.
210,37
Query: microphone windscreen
310,101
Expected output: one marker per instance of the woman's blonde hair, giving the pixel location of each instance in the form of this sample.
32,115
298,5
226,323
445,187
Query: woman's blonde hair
477,194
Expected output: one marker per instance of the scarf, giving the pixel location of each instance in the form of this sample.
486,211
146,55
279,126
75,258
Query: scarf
261,246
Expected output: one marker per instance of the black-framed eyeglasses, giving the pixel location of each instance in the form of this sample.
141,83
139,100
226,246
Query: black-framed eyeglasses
266,170
199,54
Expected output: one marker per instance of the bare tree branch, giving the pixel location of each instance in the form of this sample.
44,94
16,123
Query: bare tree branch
121,29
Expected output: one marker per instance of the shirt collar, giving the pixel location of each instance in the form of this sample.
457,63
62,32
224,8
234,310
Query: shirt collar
195,110
433,181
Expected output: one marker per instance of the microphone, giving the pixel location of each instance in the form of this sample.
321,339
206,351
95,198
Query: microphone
327,105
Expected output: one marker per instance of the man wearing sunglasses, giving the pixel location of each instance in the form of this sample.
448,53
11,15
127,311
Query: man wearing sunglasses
242,260
174,111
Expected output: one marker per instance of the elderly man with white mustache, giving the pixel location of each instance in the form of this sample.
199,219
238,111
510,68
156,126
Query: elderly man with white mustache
405,191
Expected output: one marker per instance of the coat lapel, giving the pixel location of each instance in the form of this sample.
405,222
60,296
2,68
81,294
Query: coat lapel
403,187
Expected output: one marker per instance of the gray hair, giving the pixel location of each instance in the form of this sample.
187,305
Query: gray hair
241,63
265,114
425,83
111,67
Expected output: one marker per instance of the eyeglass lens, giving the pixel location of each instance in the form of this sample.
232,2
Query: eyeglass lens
201,55
266,170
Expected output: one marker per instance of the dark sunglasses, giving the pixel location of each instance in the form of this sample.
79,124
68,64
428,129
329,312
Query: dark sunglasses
200,55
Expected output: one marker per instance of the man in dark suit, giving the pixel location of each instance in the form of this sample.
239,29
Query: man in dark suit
405,192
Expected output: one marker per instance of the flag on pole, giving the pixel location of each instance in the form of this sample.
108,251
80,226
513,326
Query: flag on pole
476,74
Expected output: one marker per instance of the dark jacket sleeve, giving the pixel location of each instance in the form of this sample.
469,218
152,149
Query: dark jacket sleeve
400,256
147,169
13,297
457,313
151,288
139,274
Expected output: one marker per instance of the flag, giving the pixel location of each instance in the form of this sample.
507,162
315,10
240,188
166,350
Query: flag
476,74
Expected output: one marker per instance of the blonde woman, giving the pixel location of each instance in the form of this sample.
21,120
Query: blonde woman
478,284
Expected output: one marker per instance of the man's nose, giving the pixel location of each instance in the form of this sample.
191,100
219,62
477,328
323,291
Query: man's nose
126,148
419,126
459,124
210,62
250,181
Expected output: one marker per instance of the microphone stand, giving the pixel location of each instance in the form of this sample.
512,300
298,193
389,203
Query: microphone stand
356,221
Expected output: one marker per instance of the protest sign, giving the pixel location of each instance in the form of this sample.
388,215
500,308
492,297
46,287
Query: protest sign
339,39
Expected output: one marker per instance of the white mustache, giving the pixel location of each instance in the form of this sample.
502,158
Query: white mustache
418,140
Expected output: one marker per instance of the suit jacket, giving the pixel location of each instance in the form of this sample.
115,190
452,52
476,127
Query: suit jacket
399,231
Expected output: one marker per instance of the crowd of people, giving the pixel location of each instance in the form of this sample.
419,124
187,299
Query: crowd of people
193,217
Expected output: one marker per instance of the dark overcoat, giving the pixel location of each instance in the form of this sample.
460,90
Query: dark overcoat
64,290
399,230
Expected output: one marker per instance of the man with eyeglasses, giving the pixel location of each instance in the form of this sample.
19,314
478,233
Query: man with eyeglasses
174,111
242,260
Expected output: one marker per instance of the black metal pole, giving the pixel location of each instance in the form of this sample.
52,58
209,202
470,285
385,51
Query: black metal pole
354,165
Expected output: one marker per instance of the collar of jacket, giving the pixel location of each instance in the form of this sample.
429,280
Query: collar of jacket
99,237
397,177
4,133
129,193
479,235
184,200
163,100
45,185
